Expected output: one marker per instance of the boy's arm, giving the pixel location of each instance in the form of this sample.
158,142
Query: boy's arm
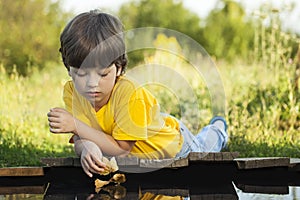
61,121
90,156
106,142
79,145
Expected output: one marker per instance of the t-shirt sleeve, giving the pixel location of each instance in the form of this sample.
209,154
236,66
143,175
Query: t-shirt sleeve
131,115
67,96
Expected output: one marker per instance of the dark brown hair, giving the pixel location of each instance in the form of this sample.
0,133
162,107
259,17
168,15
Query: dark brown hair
93,39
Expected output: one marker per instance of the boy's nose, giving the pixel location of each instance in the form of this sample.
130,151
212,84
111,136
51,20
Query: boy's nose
92,81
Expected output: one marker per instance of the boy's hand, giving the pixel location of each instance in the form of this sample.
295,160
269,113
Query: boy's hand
61,121
90,159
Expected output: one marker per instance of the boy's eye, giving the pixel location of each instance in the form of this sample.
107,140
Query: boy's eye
80,74
103,75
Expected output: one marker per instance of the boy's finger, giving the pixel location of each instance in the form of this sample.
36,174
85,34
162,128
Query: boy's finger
87,172
94,167
99,162
54,125
58,109
85,168
55,130
93,171
53,114
54,119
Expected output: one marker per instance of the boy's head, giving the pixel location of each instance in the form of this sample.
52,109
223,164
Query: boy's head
93,39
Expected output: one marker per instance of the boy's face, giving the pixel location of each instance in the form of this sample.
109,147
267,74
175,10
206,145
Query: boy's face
95,84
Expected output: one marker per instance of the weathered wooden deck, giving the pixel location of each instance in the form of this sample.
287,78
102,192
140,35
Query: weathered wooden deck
199,176
193,158
124,162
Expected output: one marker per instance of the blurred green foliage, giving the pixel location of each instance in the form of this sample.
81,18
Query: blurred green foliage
228,33
165,14
29,33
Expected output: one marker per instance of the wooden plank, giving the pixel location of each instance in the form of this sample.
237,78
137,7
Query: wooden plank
218,156
164,163
200,156
294,164
158,164
127,161
69,161
134,161
58,162
76,162
264,189
213,156
229,156
252,163
22,171
121,161
183,162
294,161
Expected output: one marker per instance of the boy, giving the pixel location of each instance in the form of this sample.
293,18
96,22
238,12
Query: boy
107,112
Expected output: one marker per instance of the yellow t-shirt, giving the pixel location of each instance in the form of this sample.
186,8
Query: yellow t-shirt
132,113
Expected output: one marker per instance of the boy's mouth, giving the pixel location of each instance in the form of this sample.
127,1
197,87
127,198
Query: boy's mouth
93,94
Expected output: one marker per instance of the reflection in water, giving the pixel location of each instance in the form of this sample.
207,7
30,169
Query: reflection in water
293,193
21,197
149,195
146,195
119,192
167,184
113,191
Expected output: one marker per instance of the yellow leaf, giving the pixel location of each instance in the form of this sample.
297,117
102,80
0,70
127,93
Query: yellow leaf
118,178
113,164
99,183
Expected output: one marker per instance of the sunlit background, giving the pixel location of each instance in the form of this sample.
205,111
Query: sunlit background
254,46
201,7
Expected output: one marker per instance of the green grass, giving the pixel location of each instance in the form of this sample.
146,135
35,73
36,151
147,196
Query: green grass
24,103
263,112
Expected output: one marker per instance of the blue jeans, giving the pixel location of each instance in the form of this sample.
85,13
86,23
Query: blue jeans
209,139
